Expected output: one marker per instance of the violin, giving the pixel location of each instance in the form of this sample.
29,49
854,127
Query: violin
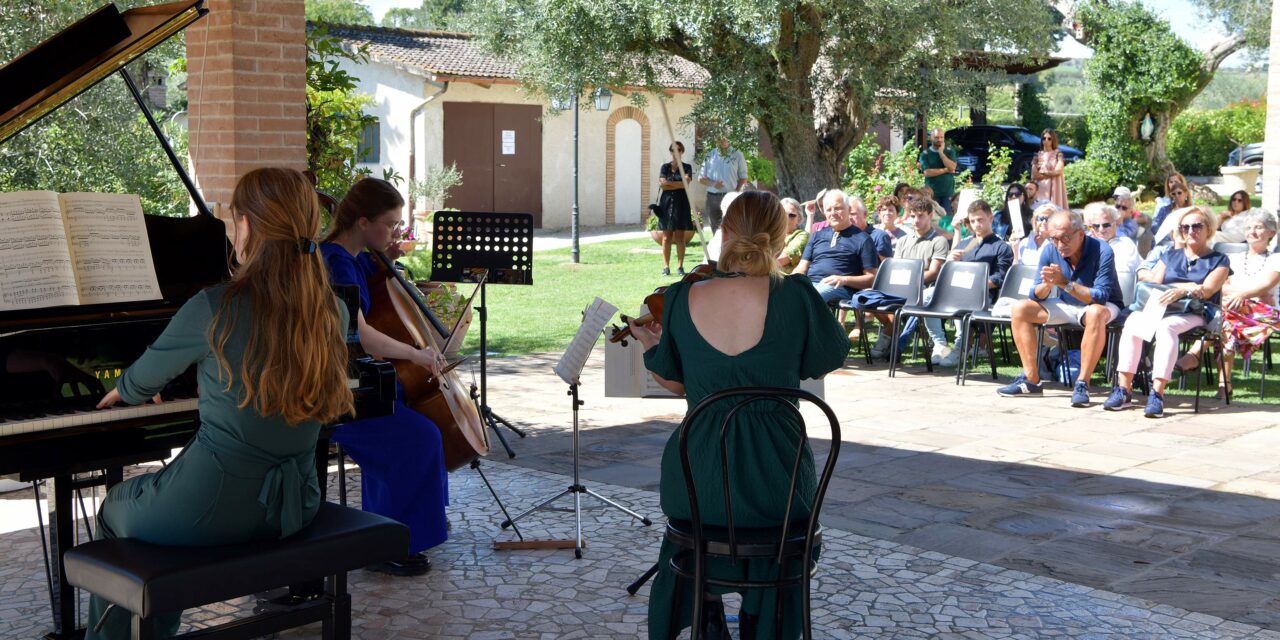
654,303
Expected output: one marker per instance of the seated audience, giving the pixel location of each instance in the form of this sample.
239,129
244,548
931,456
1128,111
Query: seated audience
1027,250
1076,286
1002,224
1250,297
887,213
982,246
1132,221
1194,271
858,216
1104,224
796,239
923,243
840,258
1231,222
1178,196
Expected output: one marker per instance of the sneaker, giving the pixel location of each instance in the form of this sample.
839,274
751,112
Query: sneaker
951,360
940,351
1021,387
679,271
1120,398
881,347
666,271
1080,396
1155,405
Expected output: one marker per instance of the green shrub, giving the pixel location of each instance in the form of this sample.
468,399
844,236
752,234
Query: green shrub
1073,131
870,172
1088,180
760,171
1199,141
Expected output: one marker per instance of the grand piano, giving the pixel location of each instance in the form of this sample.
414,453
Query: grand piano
49,429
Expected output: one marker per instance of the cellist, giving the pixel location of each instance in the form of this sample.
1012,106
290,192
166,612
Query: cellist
401,456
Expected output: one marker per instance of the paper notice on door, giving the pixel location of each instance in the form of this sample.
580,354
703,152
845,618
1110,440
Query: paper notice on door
900,277
962,280
508,142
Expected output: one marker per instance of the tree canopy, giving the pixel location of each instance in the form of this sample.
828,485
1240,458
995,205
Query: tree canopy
814,74
338,12
431,14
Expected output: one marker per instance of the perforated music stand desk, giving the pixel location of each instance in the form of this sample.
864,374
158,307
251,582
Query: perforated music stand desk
467,245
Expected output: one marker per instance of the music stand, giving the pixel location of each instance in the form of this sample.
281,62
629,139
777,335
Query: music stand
569,369
484,248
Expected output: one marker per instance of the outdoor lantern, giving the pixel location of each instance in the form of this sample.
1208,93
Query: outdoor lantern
1148,128
603,96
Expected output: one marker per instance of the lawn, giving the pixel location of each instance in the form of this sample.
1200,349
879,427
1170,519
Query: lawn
543,317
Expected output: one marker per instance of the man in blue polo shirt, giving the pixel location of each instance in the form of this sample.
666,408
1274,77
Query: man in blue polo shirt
840,258
1077,285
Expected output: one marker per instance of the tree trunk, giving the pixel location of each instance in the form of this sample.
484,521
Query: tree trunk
1158,150
802,164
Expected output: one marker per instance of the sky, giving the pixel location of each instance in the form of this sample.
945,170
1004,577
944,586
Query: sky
1181,14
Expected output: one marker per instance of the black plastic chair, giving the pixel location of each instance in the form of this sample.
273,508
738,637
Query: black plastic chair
1017,286
951,301
902,277
1228,248
784,544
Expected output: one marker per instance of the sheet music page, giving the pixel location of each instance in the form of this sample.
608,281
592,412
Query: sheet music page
35,264
597,315
110,252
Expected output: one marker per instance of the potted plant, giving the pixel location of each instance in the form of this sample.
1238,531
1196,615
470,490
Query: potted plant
1239,178
448,304
651,225
428,195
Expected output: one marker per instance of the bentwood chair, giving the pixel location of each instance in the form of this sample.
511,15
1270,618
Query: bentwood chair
901,277
960,290
787,547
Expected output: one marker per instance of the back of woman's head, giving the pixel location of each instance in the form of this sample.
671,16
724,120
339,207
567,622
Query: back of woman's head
754,230
295,358
367,198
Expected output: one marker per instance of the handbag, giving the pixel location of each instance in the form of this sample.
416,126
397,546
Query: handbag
1182,306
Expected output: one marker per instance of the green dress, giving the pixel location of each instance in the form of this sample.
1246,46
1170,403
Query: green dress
801,340
244,476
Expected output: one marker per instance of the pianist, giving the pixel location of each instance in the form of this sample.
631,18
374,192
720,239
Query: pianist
271,360
401,456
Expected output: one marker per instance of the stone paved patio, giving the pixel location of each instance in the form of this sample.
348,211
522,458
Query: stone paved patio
954,514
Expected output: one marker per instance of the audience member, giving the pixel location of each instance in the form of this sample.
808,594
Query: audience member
1195,271
938,164
1250,297
1076,286
840,258
1027,250
1231,223
1031,191
1002,223
858,216
1103,220
1177,196
924,243
1132,221
887,213
983,246
725,170
1047,169
796,239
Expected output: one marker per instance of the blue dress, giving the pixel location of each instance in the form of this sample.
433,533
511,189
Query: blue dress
401,456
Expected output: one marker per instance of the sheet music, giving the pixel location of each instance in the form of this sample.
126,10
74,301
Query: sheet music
109,248
1015,219
35,264
967,197
597,315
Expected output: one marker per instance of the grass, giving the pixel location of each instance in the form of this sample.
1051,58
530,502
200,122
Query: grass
544,317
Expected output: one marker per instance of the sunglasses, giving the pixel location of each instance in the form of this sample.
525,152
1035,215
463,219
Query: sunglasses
792,215
1100,226
1194,226
1177,192
1122,207
1237,199
1042,218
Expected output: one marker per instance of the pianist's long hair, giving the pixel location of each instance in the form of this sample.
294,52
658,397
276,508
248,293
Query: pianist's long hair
295,359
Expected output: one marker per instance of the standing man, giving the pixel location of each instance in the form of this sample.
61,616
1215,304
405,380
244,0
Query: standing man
938,164
725,170
840,258
1077,286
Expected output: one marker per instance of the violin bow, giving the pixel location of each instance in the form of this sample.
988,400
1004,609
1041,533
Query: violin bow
671,132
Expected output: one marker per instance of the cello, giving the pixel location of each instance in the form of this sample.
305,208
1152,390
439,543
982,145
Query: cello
396,309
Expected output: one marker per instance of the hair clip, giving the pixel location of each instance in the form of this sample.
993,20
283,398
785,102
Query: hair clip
307,245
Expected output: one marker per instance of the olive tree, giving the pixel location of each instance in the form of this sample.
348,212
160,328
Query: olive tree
813,74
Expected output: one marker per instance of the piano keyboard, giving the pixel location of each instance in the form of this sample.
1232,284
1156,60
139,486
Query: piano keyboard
81,418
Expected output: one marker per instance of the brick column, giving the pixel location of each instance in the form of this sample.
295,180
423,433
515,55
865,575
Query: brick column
1271,161
246,86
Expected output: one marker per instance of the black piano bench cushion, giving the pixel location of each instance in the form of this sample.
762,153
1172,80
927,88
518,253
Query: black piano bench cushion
150,579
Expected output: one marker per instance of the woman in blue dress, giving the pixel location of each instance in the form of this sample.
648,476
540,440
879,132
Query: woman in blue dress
401,456
269,352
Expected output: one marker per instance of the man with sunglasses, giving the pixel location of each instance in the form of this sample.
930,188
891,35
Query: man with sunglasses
1103,222
1076,285
1131,220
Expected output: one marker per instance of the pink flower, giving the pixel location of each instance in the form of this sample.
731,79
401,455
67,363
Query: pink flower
877,189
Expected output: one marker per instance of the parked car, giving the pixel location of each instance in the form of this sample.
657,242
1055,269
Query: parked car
974,144
1249,154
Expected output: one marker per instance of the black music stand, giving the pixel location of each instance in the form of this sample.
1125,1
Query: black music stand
482,247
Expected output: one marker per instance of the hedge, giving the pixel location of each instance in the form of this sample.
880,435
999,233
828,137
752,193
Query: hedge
1199,141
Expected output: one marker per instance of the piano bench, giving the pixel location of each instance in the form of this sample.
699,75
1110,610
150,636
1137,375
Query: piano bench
147,579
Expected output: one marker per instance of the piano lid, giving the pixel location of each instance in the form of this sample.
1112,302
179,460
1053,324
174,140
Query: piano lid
75,59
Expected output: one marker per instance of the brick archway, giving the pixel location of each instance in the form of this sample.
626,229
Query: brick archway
625,113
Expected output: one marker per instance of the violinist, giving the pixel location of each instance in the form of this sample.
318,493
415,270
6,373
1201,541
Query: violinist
746,326
401,456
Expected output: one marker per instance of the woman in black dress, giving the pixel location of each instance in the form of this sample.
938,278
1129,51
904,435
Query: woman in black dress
674,217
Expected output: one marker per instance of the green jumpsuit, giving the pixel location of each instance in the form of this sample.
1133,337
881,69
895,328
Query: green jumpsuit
801,340
242,477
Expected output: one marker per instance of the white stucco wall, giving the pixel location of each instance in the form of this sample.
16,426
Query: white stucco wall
397,92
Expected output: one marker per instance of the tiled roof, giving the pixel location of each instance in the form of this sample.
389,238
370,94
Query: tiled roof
455,54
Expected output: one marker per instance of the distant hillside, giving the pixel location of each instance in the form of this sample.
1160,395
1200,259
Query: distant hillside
1232,85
